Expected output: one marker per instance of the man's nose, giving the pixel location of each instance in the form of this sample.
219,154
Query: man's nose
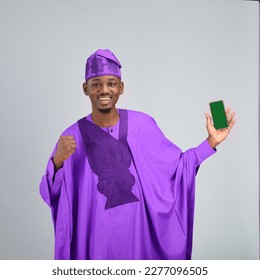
105,88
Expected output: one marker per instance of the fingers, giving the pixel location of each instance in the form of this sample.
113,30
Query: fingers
66,137
67,146
228,111
231,124
208,119
68,140
70,148
230,118
69,151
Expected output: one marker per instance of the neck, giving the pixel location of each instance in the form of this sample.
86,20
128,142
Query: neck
105,119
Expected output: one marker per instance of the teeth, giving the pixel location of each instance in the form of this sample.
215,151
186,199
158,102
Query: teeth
104,98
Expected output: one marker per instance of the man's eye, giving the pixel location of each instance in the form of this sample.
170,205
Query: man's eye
112,84
95,85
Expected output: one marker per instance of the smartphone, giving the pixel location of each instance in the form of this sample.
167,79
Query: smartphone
218,114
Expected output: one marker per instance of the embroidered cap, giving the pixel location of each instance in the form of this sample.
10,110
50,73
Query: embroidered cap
101,63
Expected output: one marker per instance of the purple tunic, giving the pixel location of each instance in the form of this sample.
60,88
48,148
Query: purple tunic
158,224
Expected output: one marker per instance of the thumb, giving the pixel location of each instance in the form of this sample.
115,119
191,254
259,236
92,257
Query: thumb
208,118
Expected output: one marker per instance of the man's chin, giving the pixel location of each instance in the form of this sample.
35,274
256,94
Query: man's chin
105,110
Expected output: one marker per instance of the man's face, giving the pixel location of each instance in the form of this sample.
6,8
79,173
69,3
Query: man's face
103,92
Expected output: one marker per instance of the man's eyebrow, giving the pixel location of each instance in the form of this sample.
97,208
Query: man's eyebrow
96,80
111,79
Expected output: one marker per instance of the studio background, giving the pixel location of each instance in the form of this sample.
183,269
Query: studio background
177,56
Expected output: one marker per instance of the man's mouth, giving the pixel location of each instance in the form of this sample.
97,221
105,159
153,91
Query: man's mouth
104,98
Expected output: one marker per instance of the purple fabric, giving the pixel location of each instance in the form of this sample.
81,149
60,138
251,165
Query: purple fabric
101,63
110,159
159,226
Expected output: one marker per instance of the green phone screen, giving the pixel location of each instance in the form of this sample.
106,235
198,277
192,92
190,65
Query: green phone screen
218,114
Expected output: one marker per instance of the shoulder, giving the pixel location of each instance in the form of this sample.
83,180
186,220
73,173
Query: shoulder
142,124
140,117
144,128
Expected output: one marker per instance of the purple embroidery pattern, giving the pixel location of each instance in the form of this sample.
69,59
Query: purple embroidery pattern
97,65
110,160
102,62
118,182
112,66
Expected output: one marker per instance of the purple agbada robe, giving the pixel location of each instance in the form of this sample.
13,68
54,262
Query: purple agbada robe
156,222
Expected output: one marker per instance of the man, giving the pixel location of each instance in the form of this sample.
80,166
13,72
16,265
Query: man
116,186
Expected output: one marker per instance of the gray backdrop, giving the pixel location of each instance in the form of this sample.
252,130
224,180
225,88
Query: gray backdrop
177,56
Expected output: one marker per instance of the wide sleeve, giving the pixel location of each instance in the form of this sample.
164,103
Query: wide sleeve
51,182
204,151
159,146
167,176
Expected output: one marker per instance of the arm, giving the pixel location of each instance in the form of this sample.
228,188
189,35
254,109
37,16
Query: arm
51,182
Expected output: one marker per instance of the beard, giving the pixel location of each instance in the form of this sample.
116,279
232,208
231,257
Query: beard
105,111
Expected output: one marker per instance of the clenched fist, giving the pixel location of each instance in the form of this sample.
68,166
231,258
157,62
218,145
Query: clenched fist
66,147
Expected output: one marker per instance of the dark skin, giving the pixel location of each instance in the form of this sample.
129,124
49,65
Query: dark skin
108,88
104,92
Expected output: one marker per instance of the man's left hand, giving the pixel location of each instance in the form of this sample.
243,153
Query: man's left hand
217,136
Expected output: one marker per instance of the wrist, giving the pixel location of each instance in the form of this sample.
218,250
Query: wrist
57,163
212,142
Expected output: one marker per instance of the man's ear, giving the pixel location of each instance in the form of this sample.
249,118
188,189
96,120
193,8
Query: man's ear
122,86
85,88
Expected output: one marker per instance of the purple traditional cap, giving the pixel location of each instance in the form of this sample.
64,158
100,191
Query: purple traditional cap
101,63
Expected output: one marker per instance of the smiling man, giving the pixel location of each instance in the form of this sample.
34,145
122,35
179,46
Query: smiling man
116,186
